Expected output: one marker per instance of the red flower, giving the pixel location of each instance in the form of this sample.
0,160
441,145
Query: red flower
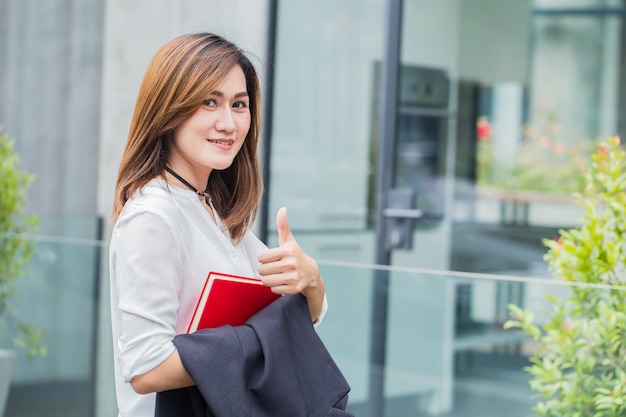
483,128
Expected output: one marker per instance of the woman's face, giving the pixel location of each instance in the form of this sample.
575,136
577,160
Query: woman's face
211,138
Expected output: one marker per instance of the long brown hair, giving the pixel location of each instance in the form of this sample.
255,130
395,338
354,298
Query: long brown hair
178,80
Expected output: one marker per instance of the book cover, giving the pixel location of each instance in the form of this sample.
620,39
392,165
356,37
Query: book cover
229,299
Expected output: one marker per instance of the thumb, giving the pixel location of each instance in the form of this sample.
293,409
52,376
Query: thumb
282,224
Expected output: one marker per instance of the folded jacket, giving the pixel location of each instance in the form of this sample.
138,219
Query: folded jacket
274,365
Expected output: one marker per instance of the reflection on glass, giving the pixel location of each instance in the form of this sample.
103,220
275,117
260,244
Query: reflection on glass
60,296
447,355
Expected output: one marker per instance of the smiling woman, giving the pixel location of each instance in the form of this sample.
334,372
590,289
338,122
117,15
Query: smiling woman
187,193
186,75
211,138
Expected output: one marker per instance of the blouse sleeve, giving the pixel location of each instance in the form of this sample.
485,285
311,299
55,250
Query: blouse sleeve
147,270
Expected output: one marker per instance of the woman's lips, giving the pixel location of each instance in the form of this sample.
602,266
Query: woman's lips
224,144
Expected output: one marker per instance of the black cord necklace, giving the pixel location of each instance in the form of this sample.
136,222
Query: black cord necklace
201,194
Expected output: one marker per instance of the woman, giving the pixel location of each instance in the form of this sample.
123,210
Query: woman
187,193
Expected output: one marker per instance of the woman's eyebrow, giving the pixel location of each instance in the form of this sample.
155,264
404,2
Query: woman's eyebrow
220,94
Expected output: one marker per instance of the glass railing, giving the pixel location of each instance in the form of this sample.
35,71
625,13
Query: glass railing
446,352
60,295
441,348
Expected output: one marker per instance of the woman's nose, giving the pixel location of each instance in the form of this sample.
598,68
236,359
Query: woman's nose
226,121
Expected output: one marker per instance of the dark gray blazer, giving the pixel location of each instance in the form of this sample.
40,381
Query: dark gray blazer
275,365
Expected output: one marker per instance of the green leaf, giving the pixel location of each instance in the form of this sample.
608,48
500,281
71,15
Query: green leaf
15,248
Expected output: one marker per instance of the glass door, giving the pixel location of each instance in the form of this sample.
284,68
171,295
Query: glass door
322,162
398,131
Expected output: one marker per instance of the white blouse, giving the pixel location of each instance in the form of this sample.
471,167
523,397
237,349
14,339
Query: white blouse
162,248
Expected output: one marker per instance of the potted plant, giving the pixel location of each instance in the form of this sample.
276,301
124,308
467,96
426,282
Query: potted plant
580,366
15,252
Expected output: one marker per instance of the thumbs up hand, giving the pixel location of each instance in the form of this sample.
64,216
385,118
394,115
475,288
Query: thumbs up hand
287,269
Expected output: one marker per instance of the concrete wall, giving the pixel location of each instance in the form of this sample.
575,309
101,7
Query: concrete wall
50,56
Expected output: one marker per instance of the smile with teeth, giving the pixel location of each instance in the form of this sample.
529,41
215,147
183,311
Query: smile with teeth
221,142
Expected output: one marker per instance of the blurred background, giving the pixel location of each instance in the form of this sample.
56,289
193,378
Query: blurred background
423,148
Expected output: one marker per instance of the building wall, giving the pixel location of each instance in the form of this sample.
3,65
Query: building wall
50,98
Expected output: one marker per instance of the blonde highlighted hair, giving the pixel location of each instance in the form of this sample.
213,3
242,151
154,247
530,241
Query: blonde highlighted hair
178,80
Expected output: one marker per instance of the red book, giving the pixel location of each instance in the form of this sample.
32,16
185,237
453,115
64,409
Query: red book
229,299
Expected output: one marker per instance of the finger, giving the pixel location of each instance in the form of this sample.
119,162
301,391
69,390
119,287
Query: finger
275,268
274,254
282,224
281,284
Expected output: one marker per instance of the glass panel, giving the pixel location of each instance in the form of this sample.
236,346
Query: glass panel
324,88
521,144
579,101
59,295
447,351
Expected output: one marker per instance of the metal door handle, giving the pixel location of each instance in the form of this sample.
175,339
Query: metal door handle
398,213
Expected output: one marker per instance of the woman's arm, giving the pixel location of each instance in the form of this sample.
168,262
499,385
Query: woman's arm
169,374
146,254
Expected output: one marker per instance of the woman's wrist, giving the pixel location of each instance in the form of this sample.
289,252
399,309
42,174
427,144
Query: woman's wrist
314,287
314,295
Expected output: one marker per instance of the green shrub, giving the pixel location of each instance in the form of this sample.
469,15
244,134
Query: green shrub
580,367
15,248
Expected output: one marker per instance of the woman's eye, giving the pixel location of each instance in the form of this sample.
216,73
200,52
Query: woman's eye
240,105
210,103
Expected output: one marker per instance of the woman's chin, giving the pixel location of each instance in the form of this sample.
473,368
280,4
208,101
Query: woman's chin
222,166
